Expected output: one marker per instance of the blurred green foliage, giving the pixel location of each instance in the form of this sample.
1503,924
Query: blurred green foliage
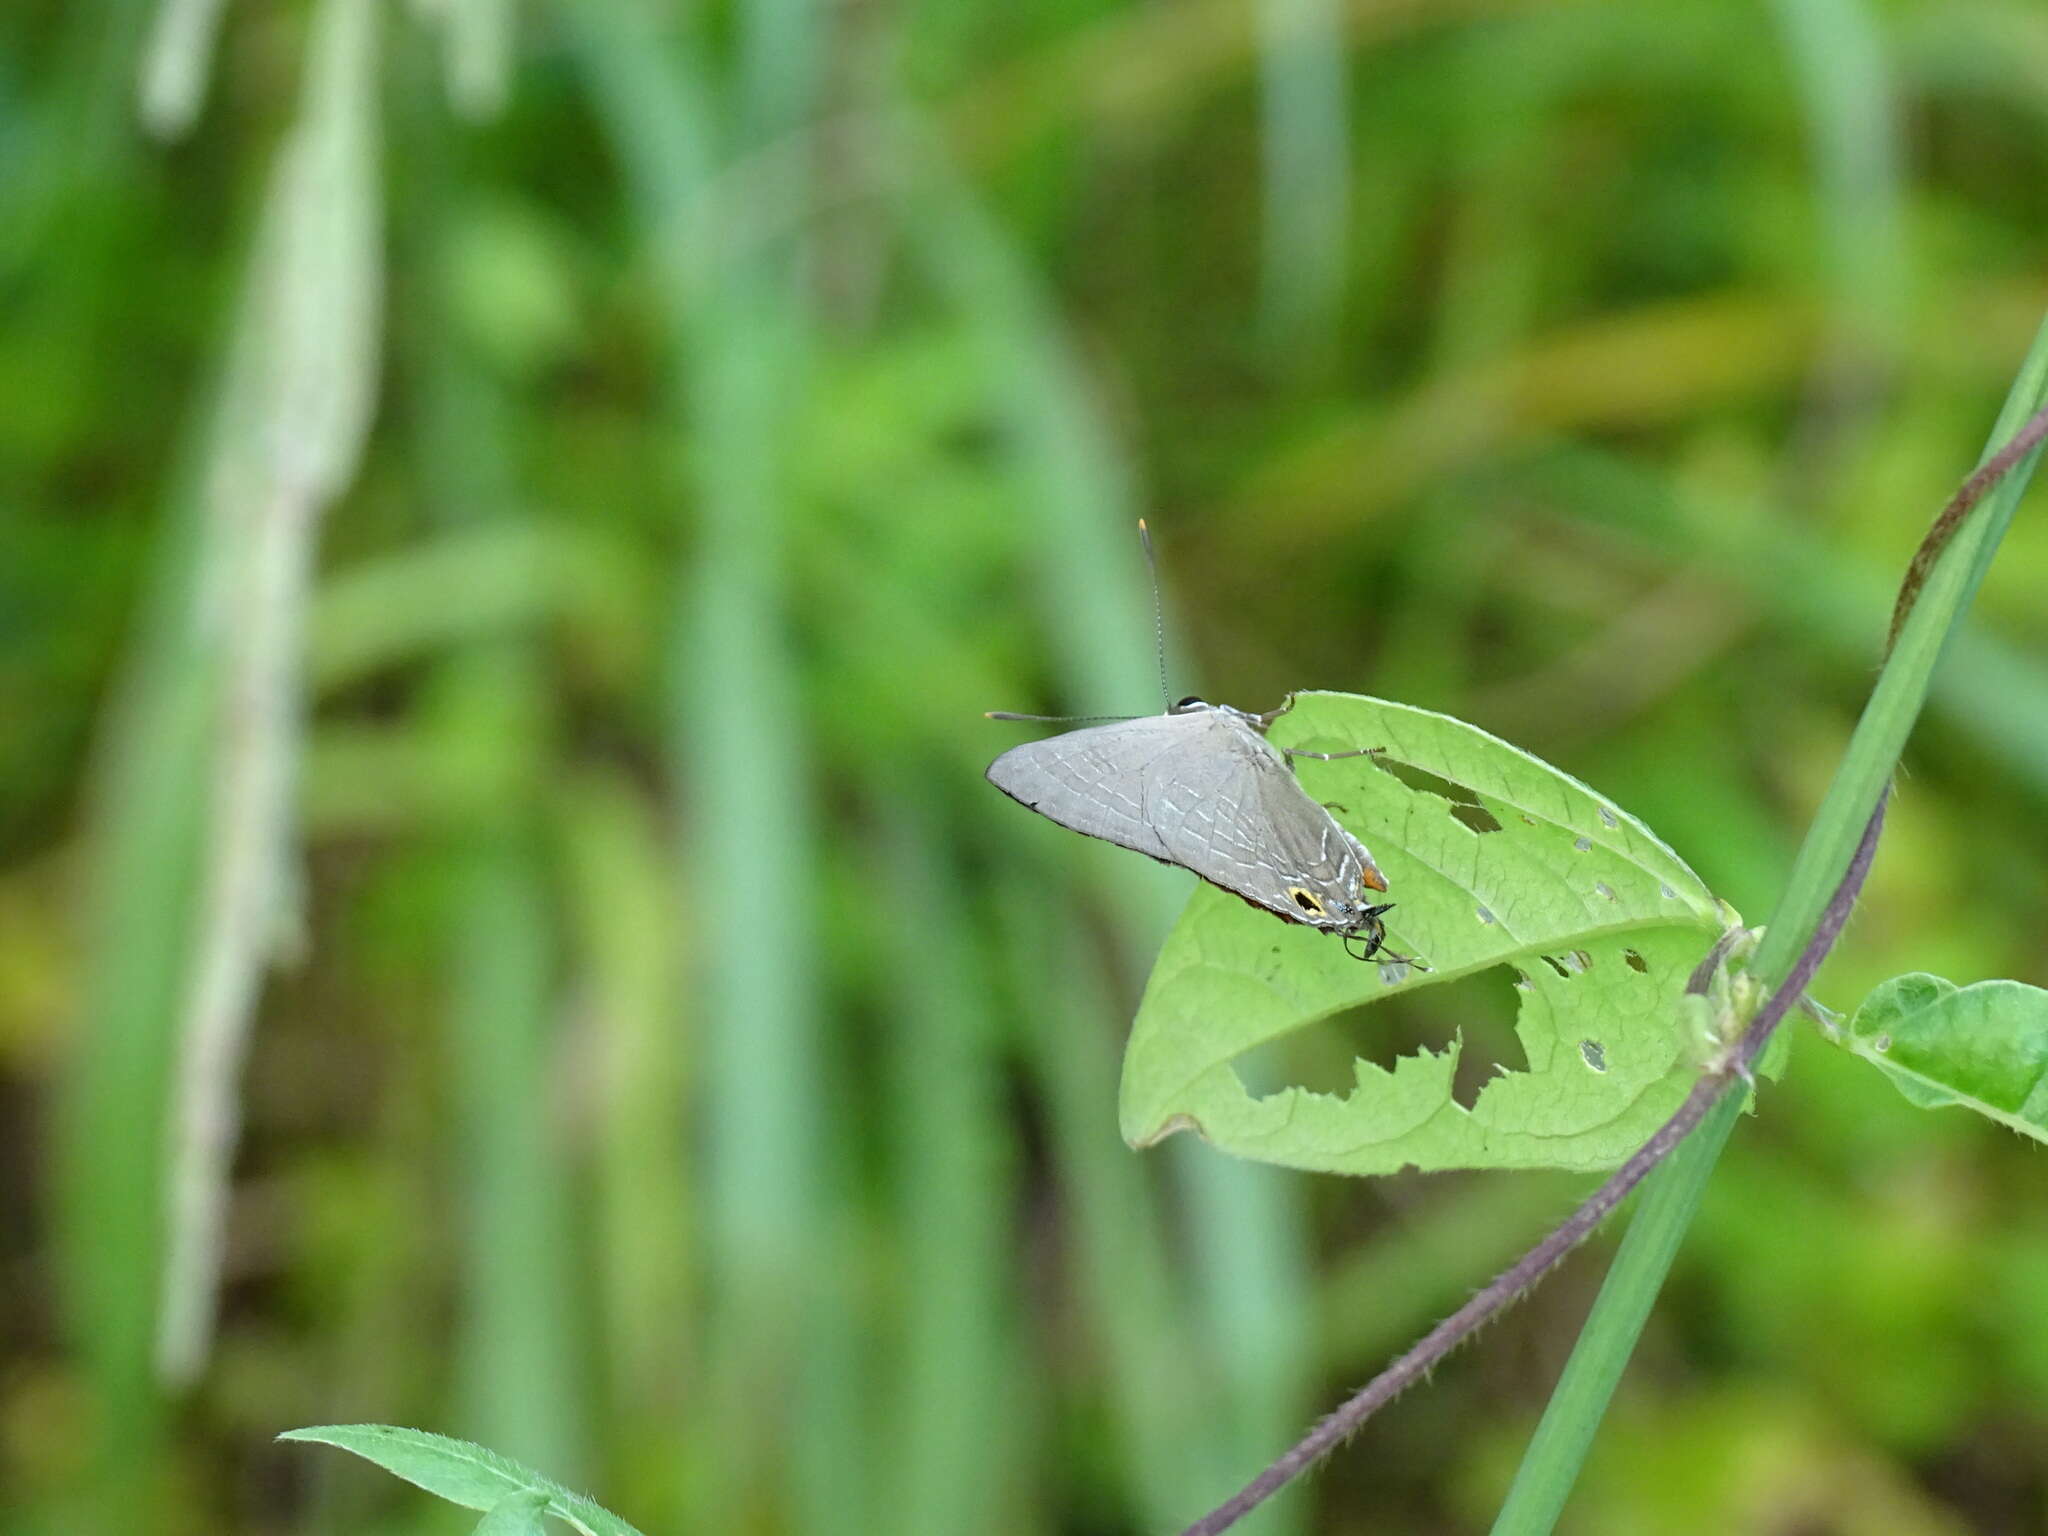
691,1078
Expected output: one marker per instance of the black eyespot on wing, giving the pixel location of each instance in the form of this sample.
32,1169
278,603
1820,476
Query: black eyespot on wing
1305,901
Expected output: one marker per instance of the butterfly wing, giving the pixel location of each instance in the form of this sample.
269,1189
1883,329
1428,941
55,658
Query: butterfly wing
1201,789
1097,780
1243,822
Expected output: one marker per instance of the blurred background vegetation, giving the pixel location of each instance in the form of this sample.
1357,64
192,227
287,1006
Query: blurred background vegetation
512,517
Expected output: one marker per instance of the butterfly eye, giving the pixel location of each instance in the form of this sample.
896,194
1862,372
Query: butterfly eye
1305,901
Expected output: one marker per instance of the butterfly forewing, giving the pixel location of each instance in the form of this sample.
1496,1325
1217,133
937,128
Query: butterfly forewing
1201,789
1095,780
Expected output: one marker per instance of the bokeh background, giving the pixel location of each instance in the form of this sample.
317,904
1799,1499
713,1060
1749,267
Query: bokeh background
512,516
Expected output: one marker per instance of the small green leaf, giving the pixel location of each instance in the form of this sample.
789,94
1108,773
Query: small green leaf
463,1473
1983,1047
1494,859
517,1514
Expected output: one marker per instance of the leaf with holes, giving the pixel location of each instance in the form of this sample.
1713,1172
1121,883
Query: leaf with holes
1981,1047
1495,860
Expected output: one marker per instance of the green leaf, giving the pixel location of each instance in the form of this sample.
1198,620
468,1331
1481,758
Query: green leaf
517,1514
1983,1047
463,1473
1495,859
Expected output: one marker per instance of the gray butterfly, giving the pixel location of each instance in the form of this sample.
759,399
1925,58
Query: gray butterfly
1202,788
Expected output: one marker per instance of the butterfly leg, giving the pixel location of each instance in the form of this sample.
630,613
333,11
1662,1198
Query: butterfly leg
1331,757
1271,715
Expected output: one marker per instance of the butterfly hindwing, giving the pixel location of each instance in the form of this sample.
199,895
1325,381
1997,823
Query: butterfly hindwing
1249,826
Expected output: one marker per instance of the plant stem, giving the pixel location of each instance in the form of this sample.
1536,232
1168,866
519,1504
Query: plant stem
1932,598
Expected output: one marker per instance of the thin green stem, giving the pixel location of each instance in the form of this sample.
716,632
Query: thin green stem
1822,889
1938,586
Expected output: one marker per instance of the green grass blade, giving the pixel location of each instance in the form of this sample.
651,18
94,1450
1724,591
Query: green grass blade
1838,56
953,1173
623,921
147,826
1664,1210
295,411
177,64
1670,1196
738,329
1119,1247
1305,150
486,709
479,41
1902,686
520,1386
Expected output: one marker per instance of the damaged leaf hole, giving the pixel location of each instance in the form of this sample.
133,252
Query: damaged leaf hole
1479,1009
1636,962
1576,963
1595,1054
1466,808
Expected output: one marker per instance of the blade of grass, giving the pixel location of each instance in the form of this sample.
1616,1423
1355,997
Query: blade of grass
1902,686
479,49
74,155
295,412
177,63
1838,57
738,334
623,919
520,1387
1811,588
1670,1199
956,1184
1305,154
518,1350
146,828
1563,1437
1137,1321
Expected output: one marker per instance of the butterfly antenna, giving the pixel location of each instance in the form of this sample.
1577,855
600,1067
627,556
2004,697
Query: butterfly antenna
1158,613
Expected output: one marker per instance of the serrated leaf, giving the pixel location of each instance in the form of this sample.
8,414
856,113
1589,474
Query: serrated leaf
1982,1047
1526,868
462,1473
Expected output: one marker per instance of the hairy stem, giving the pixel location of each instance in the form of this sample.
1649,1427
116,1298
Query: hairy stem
1994,469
